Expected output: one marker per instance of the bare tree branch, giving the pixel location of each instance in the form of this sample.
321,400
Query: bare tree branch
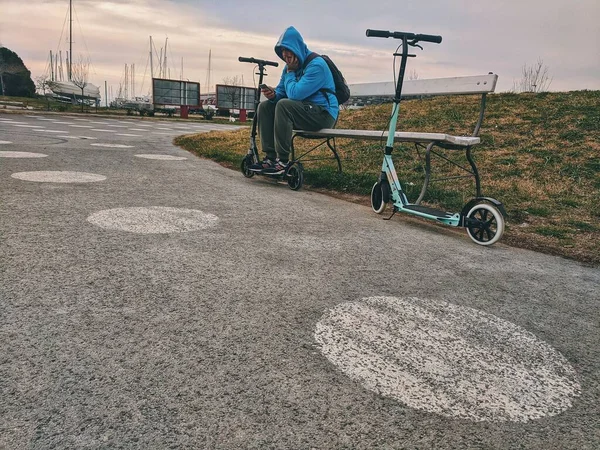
232,95
535,78
79,76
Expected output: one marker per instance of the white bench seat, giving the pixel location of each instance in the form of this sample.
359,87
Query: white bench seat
399,136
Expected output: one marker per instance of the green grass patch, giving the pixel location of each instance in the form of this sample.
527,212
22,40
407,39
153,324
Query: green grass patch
583,226
572,135
540,211
553,231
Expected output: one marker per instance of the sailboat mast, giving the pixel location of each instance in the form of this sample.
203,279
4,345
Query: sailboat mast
151,65
51,67
165,69
70,38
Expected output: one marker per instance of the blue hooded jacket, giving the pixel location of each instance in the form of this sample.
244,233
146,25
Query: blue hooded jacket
305,84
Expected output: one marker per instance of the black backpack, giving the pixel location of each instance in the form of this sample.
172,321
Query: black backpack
342,91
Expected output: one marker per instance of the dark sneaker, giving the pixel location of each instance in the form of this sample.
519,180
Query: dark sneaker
262,165
279,168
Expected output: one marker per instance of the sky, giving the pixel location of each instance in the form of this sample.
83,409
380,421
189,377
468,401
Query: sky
479,36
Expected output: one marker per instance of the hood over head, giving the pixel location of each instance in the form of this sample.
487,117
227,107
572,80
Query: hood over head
291,39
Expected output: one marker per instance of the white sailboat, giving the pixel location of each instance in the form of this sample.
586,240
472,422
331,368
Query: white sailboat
67,88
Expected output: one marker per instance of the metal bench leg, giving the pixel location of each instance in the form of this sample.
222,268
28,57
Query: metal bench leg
292,152
333,149
427,172
475,172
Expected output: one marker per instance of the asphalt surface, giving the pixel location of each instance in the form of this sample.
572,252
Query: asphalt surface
173,303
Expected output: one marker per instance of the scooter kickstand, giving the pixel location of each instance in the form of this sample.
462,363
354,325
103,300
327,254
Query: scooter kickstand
393,212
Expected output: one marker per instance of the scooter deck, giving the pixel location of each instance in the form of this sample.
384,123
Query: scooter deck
428,210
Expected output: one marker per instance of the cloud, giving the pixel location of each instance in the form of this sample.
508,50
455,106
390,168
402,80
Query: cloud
479,37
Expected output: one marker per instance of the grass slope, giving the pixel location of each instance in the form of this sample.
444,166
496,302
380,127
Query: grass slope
540,156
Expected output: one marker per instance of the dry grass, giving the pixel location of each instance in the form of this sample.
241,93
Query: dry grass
540,156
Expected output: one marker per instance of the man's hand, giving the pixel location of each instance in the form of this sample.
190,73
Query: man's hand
291,60
293,65
268,92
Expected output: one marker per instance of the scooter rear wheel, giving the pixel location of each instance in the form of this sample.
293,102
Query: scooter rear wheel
380,196
246,163
295,176
486,224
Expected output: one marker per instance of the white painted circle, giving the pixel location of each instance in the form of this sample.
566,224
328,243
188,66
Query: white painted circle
162,157
447,359
59,177
5,142
112,145
21,155
154,219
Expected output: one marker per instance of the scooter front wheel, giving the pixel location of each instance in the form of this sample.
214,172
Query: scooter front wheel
380,196
485,224
246,163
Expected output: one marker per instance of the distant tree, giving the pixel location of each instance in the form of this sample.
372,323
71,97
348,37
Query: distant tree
15,79
79,76
42,84
534,78
413,75
233,81
232,95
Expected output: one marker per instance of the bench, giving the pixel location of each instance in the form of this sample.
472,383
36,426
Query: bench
377,92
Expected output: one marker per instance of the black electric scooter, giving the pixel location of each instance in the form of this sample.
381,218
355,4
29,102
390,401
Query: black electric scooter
294,175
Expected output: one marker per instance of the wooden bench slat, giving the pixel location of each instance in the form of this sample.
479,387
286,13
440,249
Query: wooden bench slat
399,136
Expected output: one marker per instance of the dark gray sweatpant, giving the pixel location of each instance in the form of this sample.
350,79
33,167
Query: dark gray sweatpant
277,120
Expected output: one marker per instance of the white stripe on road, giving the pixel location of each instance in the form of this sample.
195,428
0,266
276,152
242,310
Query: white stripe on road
76,137
155,219
447,359
162,157
58,177
112,145
127,134
21,155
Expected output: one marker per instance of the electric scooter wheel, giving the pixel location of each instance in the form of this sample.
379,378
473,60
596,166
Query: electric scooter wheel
247,162
485,225
380,196
295,176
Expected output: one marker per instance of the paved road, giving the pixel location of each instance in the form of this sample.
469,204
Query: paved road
152,299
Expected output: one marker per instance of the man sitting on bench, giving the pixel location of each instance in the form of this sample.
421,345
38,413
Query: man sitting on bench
304,99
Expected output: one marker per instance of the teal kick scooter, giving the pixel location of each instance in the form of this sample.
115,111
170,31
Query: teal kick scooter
483,217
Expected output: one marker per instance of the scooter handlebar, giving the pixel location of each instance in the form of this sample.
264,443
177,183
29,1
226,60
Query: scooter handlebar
261,62
378,33
428,38
404,35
